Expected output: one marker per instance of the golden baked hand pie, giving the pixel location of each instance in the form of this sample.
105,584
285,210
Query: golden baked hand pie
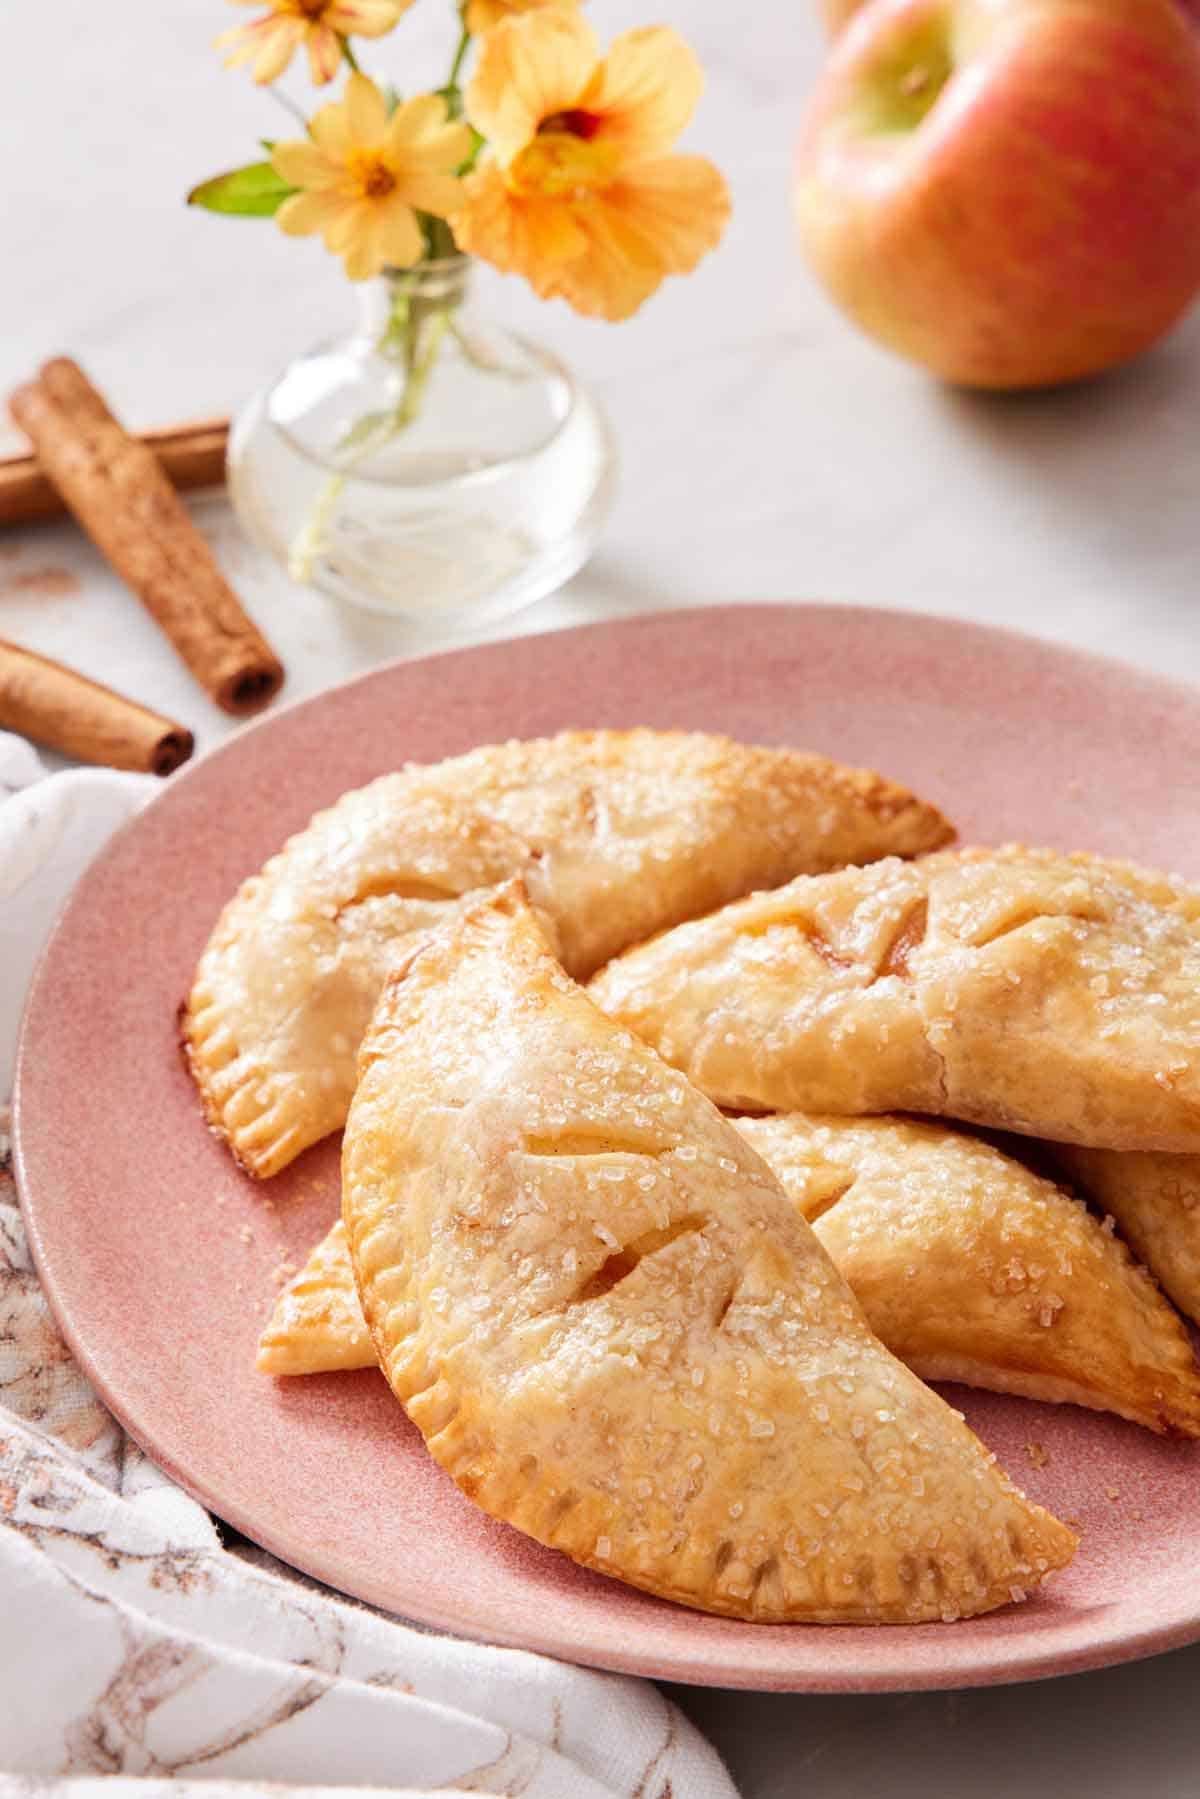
617,833
1057,996
617,1334
971,1268
968,1266
316,1325
1155,1200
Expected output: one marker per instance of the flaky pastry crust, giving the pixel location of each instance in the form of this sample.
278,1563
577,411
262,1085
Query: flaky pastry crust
616,1333
972,1268
968,1266
618,834
1155,1202
1058,996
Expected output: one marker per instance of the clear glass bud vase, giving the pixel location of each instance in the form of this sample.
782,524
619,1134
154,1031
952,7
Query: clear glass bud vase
429,466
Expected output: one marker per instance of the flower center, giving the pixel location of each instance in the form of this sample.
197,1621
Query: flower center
576,123
311,9
370,174
564,162
380,181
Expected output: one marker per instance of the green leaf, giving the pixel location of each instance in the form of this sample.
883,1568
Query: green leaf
253,192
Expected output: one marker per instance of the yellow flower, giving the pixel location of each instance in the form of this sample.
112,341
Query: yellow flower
579,194
485,15
269,43
364,176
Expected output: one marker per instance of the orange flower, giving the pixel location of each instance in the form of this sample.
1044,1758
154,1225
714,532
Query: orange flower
484,15
269,43
579,194
364,175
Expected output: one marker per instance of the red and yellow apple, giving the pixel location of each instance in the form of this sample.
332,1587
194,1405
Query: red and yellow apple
1007,191
836,13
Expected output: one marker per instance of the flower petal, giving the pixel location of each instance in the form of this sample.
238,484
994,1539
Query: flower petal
486,224
554,234
485,15
351,221
304,165
361,260
280,40
422,129
397,233
658,219
365,18
239,42
268,43
324,53
645,90
365,109
362,248
607,250
529,68
329,128
521,233
618,270
680,205
432,192
305,213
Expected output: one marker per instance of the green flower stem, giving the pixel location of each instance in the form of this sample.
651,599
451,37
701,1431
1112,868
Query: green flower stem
415,330
439,239
419,370
310,539
349,55
452,90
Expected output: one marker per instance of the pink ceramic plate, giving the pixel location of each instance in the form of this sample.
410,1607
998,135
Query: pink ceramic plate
158,1255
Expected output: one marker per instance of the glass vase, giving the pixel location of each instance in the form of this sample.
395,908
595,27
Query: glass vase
429,465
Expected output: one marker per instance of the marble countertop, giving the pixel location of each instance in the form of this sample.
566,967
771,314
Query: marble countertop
768,453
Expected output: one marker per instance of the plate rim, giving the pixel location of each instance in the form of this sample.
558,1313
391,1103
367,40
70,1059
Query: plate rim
1131,1644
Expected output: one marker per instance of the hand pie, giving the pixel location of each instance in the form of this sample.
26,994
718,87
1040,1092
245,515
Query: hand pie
618,834
971,1268
1057,996
615,1332
967,1265
1155,1201
317,1326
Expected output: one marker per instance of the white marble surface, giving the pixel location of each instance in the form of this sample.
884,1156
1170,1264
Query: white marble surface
768,453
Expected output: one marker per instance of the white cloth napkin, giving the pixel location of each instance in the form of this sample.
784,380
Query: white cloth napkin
133,1644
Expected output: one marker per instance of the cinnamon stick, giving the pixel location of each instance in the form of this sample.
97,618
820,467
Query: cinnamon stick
55,706
192,454
117,489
